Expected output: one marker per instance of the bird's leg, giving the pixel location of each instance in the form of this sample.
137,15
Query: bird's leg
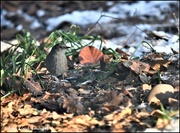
64,75
63,78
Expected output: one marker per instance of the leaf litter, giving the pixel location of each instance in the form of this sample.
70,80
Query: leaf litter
101,95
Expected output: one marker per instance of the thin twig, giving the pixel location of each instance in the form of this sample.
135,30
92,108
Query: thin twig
97,22
176,21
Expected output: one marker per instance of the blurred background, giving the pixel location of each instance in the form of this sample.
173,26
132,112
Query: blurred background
33,16
123,23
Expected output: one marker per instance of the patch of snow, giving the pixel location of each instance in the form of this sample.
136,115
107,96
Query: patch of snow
109,3
145,26
4,21
19,27
5,46
79,18
25,15
7,23
40,13
141,8
35,24
149,130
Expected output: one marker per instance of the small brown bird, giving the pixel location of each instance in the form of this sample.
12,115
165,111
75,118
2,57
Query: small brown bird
56,60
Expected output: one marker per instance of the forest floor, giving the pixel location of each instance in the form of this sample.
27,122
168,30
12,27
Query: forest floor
130,95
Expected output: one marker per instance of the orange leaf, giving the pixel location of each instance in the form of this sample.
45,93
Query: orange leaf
90,55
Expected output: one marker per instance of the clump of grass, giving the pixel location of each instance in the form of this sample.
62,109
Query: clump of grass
24,57
167,114
20,59
71,36
76,42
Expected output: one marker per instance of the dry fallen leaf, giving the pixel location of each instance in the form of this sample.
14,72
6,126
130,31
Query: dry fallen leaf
174,103
146,87
162,123
73,105
124,54
157,64
90,55
137,66
161,93
116,99
33,87
26,110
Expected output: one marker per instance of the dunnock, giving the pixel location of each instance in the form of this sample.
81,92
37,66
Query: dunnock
56,60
